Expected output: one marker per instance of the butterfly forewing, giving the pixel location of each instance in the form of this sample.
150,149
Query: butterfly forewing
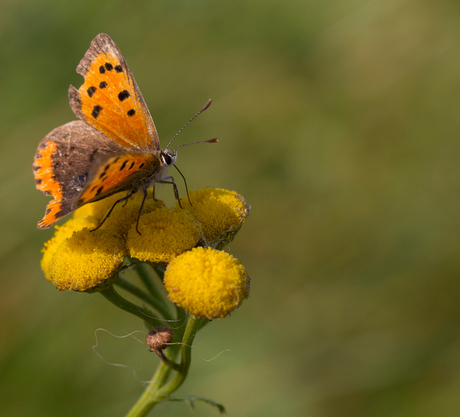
110,99
119,173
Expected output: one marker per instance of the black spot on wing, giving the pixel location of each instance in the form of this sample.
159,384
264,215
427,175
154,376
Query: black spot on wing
91,91
108,66
101,69
131,112
123,95
102,84
96,110
118,68
104,172
123,165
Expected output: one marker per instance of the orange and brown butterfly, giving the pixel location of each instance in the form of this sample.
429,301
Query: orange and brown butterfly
113,148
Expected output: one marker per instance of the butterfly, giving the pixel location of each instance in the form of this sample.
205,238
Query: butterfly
114,147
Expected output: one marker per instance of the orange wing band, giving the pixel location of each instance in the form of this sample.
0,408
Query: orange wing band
44,181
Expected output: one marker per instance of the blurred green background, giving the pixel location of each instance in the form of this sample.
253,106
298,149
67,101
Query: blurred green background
339,122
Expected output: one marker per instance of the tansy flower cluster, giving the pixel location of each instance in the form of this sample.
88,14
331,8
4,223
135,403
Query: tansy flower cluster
185,241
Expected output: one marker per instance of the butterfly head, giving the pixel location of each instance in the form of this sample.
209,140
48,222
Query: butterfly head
168,157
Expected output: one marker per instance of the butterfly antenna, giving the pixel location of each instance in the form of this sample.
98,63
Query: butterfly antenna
200,141
185,182
186,124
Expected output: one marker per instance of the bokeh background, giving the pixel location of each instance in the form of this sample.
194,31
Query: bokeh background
339,122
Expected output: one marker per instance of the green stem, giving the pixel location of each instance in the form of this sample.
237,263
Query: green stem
116,299
136,291
186,355
150,396
153,289
179,331
158,390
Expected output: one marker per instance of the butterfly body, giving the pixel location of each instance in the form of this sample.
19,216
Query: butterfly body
113,148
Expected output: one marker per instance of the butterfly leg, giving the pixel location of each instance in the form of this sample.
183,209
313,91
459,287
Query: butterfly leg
140,211
153,192
129,195
126,202
176,191
185,182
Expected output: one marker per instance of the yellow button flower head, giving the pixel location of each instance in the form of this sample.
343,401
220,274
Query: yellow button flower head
165,233
86,260
207,282
62,233
220,213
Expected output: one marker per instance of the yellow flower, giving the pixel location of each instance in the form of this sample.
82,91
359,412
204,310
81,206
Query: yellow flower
78,259
207,282
86,260
220,213
165,233
123,215
62,233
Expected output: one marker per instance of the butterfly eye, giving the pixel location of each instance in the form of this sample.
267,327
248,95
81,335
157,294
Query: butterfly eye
166,157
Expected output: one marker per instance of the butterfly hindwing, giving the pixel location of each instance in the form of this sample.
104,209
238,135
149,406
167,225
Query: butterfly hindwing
110,99
62,164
